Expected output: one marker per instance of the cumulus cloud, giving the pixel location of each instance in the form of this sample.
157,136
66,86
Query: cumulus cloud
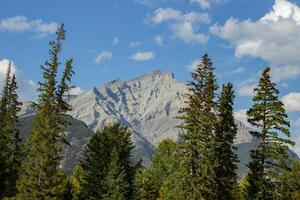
27,88
246,90
275,37
192,66
76,91
159,40
241,116
291,102
143,56
115,41
183,26
104,55
22,23
134,44
206,4
236,71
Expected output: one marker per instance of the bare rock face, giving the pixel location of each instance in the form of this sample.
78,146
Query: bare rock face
148,105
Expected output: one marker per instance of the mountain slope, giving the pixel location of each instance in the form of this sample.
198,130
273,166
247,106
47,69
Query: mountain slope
148,105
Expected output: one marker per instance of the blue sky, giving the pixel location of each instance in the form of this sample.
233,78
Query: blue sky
123,39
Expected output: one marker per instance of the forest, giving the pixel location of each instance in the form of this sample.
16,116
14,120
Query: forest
200,166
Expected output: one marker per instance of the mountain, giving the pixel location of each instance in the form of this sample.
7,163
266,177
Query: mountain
148,105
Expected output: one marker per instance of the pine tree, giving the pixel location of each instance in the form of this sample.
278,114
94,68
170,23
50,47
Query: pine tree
41,176
269,160
226,132
98,163
199,121
11,152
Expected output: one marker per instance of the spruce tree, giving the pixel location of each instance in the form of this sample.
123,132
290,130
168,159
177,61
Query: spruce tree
107,155
290,182
11,151
164,162
115,182
268,161
226,131
41,176
199,121
5,137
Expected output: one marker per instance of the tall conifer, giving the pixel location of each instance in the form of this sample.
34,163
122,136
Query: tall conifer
226,132
268,161
107,165
41,176
11,152
199,120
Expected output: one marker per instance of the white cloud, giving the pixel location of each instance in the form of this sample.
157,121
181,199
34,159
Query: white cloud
296,136
115,41
236,71
159,40
205,4
275,37
104,55
143,56
134,44
246,90
291,102
192,66
245,87
202,3
296,148
286,72
182,25
168,14
27,88
241,116
22,23
186,32
76,91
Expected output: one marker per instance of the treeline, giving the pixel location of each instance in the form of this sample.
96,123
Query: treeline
201,166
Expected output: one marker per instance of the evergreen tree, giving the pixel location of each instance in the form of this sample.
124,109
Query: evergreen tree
11,152
226,132
199,121
41,176
115,180
164,163
16,148
99,167
5,137
290,182
76,181
269,160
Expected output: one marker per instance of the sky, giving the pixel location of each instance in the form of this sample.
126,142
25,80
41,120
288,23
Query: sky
123,39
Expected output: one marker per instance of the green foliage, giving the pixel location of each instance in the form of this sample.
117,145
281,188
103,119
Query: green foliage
76,180
115,180
41,176
153,182
225,134
199,121
290,182
108,170
269,160
10,142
